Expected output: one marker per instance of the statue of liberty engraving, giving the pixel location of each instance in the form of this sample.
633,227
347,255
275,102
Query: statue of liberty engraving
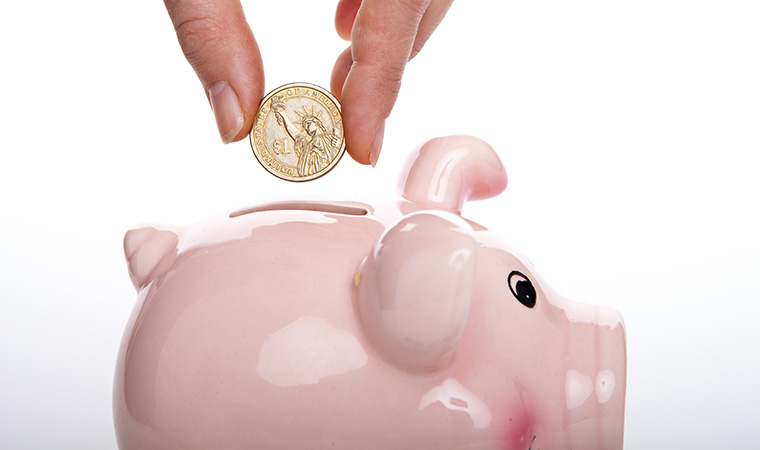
314,146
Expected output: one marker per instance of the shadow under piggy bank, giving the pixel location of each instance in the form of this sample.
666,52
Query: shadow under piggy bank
352,326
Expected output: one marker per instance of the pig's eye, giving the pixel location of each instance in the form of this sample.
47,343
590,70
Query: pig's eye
522,288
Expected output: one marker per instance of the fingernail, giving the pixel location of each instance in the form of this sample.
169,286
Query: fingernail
377,144
226,108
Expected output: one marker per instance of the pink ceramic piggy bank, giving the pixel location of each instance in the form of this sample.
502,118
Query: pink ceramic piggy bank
310,325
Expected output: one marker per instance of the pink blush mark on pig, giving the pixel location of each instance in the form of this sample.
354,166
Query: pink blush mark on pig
519,430
519,427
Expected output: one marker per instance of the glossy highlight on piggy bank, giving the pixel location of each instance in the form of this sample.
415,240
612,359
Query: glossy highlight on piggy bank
344,325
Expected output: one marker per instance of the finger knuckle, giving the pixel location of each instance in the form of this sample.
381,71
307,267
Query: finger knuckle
199,29
198,36
415,8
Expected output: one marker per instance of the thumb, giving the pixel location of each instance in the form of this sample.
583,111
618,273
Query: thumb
219,45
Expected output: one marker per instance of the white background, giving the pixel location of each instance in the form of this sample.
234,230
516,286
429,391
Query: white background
630,131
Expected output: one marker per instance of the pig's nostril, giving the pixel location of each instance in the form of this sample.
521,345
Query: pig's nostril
522,288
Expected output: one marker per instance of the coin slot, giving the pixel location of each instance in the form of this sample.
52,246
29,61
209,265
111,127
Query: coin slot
333,208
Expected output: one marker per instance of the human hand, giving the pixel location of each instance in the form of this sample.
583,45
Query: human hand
384,35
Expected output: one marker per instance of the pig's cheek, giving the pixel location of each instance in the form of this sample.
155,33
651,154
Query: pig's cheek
518,430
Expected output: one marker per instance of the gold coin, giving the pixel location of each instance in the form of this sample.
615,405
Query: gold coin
297,134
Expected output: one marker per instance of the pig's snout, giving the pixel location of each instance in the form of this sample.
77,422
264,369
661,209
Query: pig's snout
594,377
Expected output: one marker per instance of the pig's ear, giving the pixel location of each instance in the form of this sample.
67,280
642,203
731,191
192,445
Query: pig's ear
149,253
447,171
415,289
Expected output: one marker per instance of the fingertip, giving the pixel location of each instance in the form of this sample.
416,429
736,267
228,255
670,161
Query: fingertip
377,145
227,111
367,101
364,131
340,72
345,14
234,102
363,156
254,88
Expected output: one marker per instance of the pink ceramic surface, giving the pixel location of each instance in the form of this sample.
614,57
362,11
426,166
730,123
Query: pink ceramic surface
353,326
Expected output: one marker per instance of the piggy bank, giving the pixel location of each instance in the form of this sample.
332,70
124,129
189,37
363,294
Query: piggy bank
344,325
